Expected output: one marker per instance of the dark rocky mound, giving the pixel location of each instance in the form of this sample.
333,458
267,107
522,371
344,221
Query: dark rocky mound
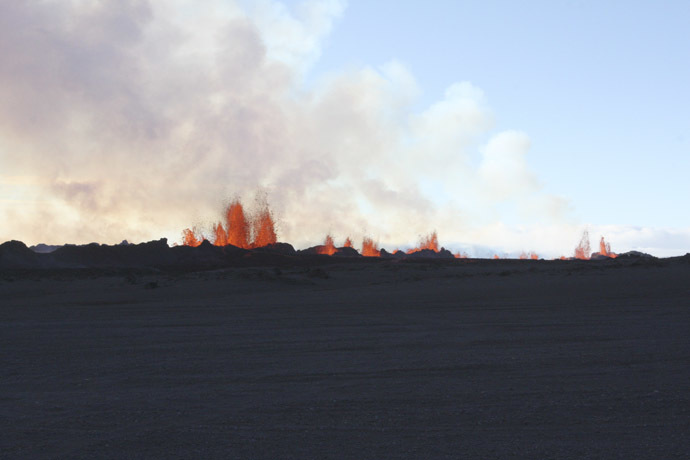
205,256
682,259
430,254
635,254
158,255
320,250
44,248
285,249
347,252
153,253
15,254
314,250
599,256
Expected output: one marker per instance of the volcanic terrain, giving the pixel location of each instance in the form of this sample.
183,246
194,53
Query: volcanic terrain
147,351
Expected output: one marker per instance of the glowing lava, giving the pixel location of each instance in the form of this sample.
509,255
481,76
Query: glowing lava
190,238
264,229
583,249
369,248
328,247
238,229
258,230
236,226
428,242
605,249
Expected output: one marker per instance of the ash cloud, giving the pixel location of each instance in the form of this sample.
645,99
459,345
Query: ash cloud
136,119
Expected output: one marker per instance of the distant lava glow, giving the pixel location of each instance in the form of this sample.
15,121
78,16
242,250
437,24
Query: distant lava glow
605,249
583,250
258,230
429,242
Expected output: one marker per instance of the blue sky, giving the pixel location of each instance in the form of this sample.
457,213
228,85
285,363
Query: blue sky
601,88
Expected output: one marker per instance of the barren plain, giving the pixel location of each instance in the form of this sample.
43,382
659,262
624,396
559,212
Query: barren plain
353,359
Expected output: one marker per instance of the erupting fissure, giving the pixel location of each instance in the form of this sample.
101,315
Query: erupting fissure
239,230
369,248
258,230
583,248
428,242
583,251
328,247
605,249
190,238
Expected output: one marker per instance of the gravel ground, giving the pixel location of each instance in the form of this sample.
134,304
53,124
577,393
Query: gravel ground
481,359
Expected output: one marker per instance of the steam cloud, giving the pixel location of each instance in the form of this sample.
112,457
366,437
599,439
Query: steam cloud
136,119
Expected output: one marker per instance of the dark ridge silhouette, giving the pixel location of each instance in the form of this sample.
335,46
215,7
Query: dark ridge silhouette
634,254
95,255
347,252
15,254
430,254
339,252
157,254
44,248
285,249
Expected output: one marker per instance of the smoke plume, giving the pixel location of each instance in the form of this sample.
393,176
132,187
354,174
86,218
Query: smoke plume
137,119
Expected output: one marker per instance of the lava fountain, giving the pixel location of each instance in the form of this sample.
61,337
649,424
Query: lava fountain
328,247
583,249
370,248
429,242
258,230
238,229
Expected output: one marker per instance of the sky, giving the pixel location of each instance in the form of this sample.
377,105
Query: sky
600,87
505,126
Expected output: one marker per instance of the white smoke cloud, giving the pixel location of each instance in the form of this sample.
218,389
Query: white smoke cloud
136,119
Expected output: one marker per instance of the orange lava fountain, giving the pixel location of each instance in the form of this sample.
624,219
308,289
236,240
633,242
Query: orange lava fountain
236,226
238,229
428,242
605,249
369,248
221,236
583,249
190,238
264,229
328,247
258,230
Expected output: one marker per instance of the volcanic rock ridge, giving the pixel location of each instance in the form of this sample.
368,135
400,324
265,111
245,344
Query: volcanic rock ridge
157,254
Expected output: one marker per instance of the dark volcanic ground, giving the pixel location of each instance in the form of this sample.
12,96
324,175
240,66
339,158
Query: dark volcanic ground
393,359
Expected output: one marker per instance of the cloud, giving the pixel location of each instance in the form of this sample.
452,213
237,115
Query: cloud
504,166
295,39
136,119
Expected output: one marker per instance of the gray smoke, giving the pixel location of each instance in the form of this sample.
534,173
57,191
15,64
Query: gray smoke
136,119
